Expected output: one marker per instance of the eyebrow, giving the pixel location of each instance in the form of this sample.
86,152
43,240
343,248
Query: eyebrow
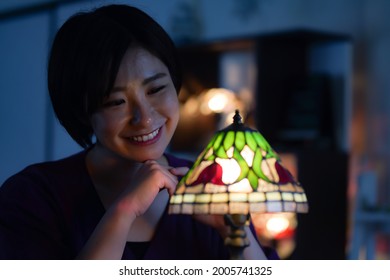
153,78
144,82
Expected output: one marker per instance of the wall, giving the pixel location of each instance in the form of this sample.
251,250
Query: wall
23,102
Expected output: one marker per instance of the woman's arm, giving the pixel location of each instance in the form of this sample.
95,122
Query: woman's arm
110,236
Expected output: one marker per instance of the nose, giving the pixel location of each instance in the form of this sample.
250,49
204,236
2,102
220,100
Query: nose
141,114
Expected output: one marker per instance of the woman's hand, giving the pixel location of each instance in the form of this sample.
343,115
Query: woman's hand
148,181
110,236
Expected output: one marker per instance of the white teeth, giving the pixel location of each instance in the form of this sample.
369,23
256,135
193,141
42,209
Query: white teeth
147,137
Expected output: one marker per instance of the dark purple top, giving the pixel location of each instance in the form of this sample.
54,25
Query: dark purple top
49,210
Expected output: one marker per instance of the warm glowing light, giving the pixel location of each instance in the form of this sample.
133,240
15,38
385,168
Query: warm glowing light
191,106
204,109
240,162
248,155
242,186
237,174
231,170
218,102
277,224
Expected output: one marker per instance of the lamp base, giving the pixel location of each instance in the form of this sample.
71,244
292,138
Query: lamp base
236,240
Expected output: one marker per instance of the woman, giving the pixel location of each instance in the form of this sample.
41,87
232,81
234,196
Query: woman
113,76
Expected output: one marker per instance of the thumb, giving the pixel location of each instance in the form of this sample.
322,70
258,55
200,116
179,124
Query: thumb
179,171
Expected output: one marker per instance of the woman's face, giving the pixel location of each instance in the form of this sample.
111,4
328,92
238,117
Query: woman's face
139,117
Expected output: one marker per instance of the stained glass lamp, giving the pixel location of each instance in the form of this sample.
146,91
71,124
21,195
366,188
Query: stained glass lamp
238,173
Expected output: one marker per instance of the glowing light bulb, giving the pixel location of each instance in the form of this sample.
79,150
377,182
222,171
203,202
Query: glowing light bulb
218,102
277,224
231,170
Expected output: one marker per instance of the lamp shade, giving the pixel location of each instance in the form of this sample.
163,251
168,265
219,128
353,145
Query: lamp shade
238,173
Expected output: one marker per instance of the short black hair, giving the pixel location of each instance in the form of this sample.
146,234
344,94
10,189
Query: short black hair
85,57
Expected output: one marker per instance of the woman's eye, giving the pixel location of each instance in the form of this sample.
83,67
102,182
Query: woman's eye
156,89
112,103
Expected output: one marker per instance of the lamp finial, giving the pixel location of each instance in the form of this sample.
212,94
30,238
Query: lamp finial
237,118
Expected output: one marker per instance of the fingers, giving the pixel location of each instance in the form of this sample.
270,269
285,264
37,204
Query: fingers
162,176
170,174
179,171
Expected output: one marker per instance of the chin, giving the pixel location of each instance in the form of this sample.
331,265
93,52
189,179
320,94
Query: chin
146,156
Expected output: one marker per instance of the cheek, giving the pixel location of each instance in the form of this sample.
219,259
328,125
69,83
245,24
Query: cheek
173,108
103,126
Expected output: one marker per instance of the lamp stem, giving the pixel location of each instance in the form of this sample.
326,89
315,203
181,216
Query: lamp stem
236,240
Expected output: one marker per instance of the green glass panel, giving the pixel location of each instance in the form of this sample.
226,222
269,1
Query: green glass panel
229,140
184,178
250,140
204,152
256,167
200,157
210,155
261,141
242,163
208,152
210,144
221,153
211,158
253,179
272,154
240,140
218,140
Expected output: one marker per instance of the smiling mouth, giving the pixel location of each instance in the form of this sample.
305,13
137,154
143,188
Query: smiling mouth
146,137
